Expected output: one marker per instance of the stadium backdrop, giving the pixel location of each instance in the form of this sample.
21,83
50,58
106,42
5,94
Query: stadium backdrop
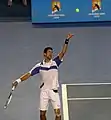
54,11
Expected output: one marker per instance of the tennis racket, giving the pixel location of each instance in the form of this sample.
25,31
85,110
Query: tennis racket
9,98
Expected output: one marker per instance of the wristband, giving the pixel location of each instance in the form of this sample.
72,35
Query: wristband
66,41
19,80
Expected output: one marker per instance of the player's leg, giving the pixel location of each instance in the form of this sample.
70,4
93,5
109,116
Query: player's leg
55,100
42,115
9,3
24,2
57,114
44,99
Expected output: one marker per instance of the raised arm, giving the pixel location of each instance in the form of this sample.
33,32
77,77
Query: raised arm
65,46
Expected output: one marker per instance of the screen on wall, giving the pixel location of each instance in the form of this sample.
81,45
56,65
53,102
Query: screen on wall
53,11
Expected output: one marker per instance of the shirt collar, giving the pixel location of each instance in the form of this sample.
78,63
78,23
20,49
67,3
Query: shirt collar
48,62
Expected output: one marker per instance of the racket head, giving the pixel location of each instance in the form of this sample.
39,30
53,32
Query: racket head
9,98
8,101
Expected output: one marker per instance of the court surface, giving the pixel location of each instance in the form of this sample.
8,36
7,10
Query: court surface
86,101
88,60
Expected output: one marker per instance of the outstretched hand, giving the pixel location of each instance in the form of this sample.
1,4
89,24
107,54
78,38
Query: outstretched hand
69,36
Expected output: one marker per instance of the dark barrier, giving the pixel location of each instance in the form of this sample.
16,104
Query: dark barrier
17,11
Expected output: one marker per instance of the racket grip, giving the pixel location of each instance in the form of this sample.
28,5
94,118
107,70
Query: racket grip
13,88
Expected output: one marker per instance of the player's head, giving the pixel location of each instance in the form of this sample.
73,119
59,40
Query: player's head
48,53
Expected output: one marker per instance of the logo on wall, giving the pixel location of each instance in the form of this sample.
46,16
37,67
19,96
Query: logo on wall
96,8
56,10
56,6
96,5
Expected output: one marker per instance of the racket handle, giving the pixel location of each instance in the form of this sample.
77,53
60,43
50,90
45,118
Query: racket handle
13,88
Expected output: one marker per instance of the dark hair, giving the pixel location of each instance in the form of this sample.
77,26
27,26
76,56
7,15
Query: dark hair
47,48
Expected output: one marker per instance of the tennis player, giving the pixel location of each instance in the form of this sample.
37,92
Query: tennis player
48,70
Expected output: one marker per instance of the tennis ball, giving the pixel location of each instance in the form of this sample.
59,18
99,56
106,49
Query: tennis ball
77,9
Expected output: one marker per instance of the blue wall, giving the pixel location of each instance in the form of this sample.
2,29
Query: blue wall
42,11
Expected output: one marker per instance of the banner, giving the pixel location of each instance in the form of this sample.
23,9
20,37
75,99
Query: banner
53,11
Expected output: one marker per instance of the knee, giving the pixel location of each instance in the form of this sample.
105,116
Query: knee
57,113
42,113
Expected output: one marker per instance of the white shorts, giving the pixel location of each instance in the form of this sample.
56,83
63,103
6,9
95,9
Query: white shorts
47,96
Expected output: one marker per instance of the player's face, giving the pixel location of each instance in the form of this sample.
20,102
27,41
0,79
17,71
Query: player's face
48,54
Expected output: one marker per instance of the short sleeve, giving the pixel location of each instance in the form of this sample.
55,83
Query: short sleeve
58,61
35,70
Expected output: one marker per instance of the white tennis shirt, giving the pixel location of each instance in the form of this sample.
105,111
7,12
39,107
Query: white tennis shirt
48,72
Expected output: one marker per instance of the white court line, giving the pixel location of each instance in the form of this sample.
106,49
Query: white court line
86,84
97,98
65,98
65,102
